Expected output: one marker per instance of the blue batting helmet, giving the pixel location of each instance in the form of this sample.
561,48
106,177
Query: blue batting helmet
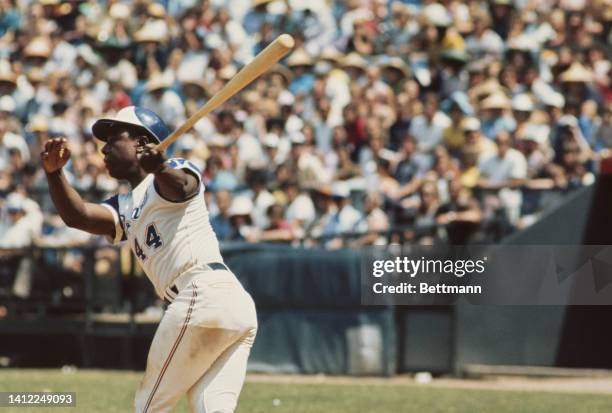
134,117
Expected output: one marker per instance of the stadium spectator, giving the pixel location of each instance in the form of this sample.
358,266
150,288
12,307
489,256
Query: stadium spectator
374,222
240,214
460,216
278,229
501,174
21,223
428,128
300,208
221,222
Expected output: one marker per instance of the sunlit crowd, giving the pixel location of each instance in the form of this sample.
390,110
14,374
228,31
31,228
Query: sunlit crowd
391,121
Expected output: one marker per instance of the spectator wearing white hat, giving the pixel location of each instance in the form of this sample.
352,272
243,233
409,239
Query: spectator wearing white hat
553,103
7,110
276,149
241,218
293,122
522,108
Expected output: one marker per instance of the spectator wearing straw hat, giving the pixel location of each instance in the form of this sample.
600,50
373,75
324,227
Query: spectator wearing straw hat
495,115
577,84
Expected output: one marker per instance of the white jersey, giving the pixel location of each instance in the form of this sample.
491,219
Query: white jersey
168,237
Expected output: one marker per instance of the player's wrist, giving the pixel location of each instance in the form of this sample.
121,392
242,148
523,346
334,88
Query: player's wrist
55,172
160,168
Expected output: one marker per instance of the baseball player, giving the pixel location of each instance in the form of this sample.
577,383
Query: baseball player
204,338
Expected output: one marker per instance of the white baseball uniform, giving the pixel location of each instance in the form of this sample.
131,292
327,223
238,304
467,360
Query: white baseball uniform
203,341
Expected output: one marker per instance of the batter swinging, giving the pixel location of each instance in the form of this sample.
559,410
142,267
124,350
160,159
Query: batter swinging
203,341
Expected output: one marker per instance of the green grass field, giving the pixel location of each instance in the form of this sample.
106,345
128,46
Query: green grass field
112,391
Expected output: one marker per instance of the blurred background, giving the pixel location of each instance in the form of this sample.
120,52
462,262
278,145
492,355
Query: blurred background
451,122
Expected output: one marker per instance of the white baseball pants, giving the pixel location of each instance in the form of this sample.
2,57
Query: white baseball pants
201,346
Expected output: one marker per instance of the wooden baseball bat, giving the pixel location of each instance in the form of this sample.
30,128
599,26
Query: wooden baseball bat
262,62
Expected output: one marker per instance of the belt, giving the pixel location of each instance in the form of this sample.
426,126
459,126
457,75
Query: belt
173,290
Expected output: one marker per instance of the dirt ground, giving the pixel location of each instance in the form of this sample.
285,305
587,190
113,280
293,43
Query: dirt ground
602,385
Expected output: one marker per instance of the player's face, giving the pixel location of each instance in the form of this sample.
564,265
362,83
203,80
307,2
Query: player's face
120,155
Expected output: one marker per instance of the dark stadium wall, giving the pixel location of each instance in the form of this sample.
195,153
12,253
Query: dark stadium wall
310,315
512,335
586,339
577,336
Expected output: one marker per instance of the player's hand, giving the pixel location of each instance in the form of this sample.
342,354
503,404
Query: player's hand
55,155
151,160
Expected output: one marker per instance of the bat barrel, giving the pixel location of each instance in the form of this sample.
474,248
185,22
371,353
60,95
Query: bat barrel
261,63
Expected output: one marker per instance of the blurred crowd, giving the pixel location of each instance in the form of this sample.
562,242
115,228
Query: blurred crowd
431,119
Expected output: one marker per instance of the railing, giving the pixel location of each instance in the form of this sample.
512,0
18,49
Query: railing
93,279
